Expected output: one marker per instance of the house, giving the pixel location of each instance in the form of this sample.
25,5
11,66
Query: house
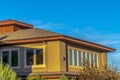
31,51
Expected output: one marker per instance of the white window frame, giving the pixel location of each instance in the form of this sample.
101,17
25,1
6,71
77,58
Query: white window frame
89,53
73,62
9,50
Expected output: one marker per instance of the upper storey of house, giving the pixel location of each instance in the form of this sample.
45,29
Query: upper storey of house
13,25
15,32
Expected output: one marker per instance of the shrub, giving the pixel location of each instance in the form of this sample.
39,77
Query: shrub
63,77
7,73
37,77
102,73
88,73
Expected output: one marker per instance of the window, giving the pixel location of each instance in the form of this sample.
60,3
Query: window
79,57
11,57
96,60
29,56
88,58
34,56
70,56
5,57
92,60
14,58
75,57
84,58
39,56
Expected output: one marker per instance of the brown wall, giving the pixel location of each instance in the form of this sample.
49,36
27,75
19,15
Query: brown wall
6,29
63,57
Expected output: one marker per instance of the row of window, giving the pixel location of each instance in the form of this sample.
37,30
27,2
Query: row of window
35,57
79,58
31,57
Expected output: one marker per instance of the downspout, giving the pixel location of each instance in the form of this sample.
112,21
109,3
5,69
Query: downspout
66,57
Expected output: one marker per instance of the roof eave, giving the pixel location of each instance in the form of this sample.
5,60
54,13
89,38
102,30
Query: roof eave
90,44
61,37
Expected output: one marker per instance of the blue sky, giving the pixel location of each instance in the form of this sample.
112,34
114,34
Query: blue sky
93,20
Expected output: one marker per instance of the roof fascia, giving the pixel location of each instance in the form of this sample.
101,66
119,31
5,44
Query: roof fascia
60,37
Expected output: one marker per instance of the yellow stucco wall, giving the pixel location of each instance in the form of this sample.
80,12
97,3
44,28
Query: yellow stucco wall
53,56
103,59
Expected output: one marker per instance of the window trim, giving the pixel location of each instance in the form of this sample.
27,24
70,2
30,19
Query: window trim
73,64
34,57
9,50
86,52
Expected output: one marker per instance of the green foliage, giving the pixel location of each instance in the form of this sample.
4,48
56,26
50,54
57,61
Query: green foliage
63,77
7,73
72,79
